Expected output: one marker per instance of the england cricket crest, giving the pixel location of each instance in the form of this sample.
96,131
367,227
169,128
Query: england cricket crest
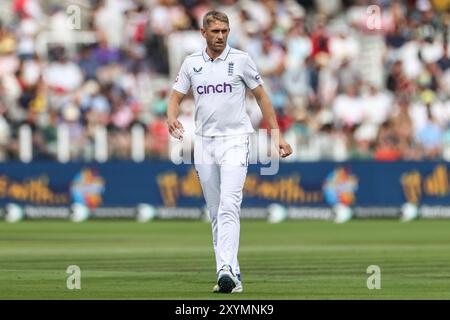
230,68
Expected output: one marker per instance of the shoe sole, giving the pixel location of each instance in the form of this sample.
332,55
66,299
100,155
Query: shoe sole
226,284
237,290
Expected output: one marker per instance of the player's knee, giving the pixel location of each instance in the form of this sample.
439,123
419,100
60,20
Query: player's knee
229,205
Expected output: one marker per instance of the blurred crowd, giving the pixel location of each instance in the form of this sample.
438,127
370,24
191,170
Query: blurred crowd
348,79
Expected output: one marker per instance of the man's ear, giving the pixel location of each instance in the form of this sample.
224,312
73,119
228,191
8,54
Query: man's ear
203,31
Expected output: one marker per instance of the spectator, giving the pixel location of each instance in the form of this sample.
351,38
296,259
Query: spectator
88,63
444,62
317,63
363,142
112,33
158,137
387,144
376,105
404,130
320,38
4,133
348,107
429,138
62,75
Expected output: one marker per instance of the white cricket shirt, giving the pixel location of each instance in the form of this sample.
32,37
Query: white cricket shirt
219,90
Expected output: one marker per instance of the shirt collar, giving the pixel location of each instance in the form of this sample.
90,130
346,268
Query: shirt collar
223,56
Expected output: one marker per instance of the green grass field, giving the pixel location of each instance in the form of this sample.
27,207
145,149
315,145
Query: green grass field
174,260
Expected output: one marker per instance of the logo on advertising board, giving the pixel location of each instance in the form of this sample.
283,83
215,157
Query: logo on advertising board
32,190
417,185
340,187
87,188
286,189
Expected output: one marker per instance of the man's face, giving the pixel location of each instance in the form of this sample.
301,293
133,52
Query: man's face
216,35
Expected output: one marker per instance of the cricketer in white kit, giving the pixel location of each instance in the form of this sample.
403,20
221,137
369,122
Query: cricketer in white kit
219,76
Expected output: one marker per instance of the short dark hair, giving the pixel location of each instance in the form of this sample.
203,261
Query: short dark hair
214,15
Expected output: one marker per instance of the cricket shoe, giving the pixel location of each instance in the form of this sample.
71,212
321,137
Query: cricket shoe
227,282
238,289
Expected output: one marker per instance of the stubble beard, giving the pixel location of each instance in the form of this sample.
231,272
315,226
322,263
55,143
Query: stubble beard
216,48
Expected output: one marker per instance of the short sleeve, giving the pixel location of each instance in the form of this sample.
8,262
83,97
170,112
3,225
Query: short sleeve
252,78
183,81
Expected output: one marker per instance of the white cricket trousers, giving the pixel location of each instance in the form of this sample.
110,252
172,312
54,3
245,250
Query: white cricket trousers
221,164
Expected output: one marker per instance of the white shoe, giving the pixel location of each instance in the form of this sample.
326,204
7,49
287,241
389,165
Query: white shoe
239,288
227,282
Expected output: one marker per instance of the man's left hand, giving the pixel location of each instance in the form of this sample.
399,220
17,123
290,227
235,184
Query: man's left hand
284,148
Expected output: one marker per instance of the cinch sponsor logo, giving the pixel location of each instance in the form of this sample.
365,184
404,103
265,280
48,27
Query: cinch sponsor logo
218,88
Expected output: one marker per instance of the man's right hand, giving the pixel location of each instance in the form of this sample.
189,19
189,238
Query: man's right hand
176,129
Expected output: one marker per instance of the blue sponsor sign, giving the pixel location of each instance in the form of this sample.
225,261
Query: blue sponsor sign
319,184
